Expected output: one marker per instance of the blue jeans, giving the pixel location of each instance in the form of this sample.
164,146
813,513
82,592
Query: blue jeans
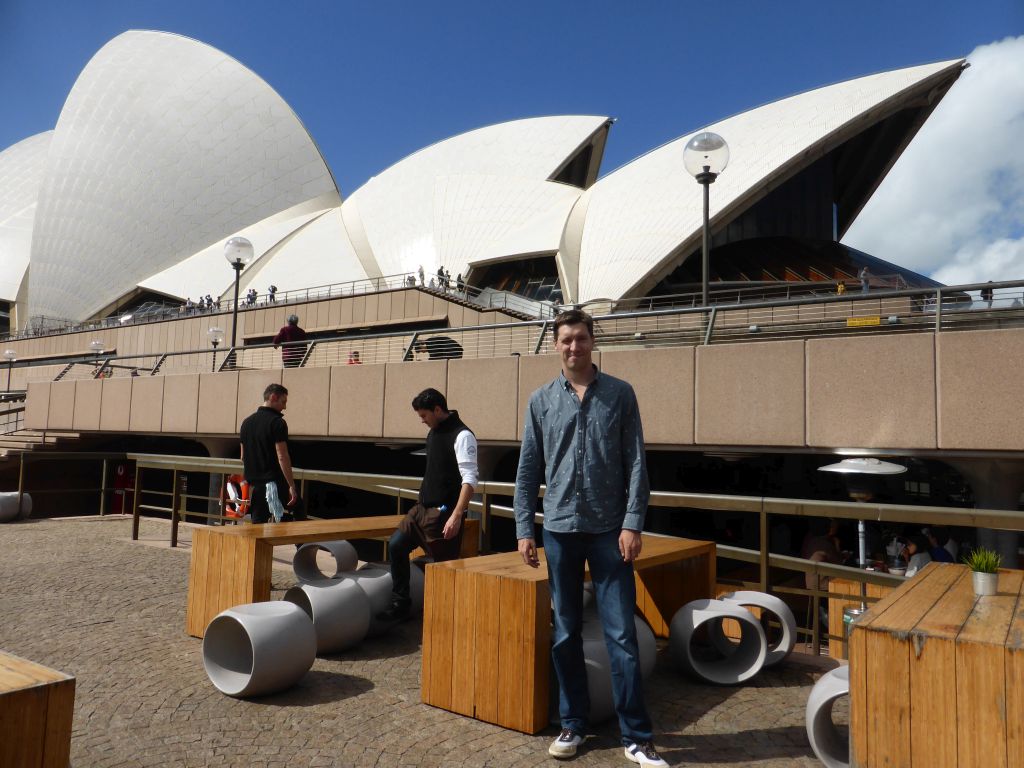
615,593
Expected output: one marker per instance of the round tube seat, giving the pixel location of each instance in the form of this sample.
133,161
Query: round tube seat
258,648
598,665
830,744
778,651
745,658
339,609
9,510
304,563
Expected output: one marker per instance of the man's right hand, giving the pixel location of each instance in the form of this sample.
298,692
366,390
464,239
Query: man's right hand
293,496
528,549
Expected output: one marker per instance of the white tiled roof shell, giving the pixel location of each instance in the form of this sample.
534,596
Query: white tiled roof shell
636,216
207,272
22,167
164,146
316,254
451,202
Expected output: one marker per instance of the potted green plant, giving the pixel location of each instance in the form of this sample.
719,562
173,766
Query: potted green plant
985,564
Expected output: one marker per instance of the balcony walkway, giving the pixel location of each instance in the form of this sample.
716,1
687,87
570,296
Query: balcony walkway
80,597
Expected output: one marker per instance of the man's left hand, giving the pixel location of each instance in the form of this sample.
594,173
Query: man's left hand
630,545
451,528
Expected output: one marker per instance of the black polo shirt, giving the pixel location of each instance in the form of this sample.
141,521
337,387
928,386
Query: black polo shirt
260,434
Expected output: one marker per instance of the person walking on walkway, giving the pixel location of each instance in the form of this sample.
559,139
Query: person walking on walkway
294,340
435,522
266,462
583,438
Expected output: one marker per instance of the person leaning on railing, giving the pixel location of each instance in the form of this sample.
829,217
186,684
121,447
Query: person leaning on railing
294,340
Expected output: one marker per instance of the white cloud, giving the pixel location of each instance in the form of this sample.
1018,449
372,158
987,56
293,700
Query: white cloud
953,205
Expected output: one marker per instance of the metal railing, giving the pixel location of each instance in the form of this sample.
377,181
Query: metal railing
774,571
910,311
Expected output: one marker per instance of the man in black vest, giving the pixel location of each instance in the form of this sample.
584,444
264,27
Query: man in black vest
435,523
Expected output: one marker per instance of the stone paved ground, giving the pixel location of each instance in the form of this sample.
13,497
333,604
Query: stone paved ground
80,597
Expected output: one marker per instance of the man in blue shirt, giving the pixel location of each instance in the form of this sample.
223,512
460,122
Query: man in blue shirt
583,438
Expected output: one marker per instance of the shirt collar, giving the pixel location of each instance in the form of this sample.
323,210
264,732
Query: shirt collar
565,384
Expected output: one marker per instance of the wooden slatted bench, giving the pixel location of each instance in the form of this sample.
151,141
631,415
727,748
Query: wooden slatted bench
487,633
937,674
231,564
36,708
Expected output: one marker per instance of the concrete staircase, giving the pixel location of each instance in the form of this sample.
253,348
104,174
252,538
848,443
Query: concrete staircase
34,440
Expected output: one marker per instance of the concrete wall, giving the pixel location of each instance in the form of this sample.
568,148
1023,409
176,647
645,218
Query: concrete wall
960,390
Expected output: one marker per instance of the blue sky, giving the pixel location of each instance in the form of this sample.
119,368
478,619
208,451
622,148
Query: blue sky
375,81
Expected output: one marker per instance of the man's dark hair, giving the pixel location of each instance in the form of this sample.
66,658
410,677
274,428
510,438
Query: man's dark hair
572,317
428,400
273,389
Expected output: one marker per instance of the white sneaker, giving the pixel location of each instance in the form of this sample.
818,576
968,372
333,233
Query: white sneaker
565,745
644,753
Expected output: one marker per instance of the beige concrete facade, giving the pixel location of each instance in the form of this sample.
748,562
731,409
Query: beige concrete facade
486,395
356,407
663,382
750,394
871,392
956,391
402,382
981,390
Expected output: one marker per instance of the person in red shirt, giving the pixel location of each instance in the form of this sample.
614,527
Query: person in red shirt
294,339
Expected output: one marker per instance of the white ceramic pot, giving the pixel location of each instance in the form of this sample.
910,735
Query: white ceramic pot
305,565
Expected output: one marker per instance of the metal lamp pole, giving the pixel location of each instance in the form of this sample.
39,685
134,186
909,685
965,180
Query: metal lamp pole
11,356
216,336
704,157
238,252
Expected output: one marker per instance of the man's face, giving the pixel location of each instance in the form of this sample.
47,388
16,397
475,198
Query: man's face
431,418
575,345
278,402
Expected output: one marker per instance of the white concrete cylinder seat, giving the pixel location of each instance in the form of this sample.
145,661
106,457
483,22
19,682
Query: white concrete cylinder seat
746,657
831,745
258,648
9,506
339,609
304,563
778,651
598,665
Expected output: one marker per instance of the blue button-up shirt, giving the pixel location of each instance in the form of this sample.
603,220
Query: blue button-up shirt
590,455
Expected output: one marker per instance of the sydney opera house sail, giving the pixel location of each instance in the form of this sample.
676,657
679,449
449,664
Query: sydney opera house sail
166,147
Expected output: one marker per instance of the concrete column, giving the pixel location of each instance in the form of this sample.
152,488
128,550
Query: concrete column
997,484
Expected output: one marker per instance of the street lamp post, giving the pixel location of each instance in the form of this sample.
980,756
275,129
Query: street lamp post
11,356
704,157
216,336
238,252
97,345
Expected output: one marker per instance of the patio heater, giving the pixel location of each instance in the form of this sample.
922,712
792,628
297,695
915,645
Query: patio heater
10,355
705,156
216,336
861,492
238,252
858,491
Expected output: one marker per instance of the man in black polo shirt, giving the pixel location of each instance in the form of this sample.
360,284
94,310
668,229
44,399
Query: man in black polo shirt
435,523
267,465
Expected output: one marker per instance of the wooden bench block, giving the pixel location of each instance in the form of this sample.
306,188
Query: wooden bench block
487,626
36,709
935,674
